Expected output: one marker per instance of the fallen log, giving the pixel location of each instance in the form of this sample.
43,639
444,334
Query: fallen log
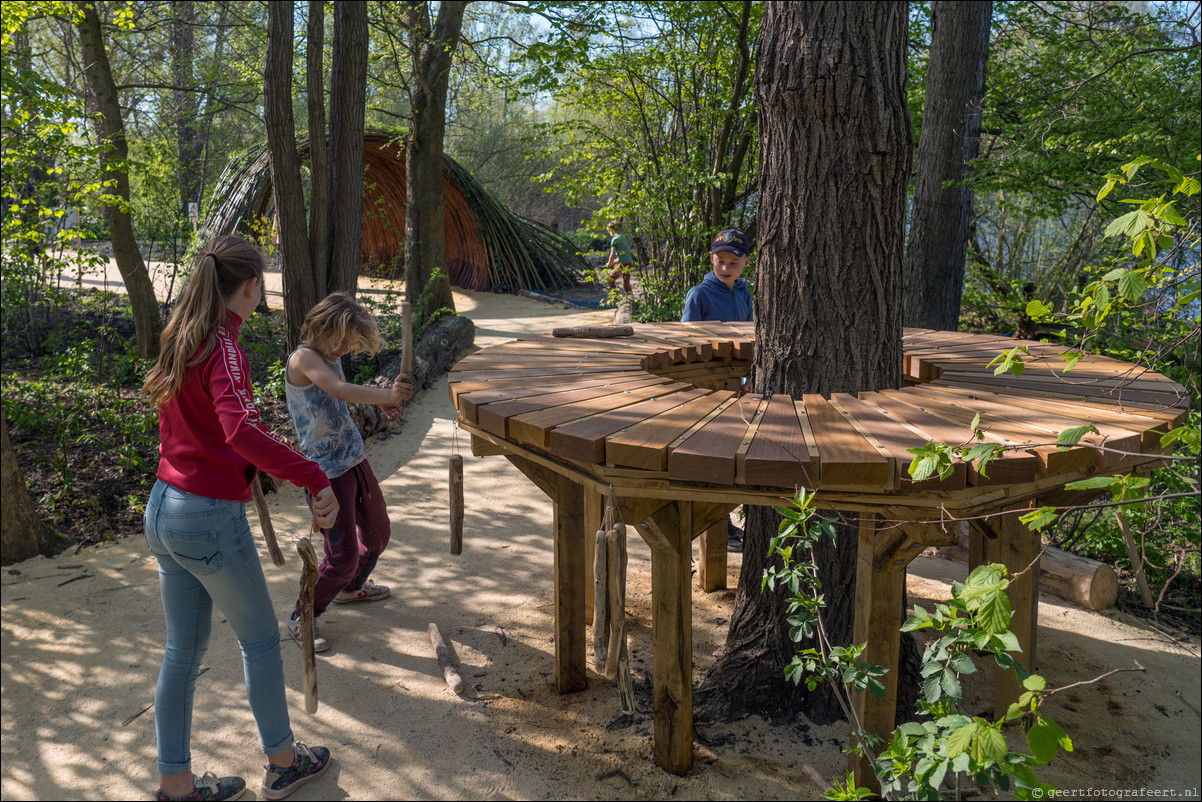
594,332
1091,584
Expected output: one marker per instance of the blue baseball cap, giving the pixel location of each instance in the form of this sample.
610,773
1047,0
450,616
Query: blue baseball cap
731,240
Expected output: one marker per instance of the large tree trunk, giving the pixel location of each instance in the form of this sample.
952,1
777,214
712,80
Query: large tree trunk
300,289
319,154
835,154
348,87
22,533
949,142
425,246
148,322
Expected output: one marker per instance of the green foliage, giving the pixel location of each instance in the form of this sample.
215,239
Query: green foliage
920,756
657,123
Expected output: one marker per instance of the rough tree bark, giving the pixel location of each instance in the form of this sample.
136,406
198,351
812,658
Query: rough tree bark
301,291
189,143
22,533
949,142
348,88
148,322
425,247
319,154
835,155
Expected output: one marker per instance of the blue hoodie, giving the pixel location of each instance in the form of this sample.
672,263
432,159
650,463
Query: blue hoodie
713,300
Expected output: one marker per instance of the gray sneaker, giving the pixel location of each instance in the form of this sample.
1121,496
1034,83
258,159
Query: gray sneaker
320,644
369,592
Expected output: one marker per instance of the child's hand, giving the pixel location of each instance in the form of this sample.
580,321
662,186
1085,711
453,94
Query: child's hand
325,508
390,410
402,388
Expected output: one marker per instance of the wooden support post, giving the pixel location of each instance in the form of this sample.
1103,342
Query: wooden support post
570,587
671,591
711,570
1015,547
594,509
882,557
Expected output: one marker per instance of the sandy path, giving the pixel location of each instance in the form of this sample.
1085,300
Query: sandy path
82,639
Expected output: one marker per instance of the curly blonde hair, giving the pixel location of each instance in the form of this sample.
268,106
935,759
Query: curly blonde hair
337,317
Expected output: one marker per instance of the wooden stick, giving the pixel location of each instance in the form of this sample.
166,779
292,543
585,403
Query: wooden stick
308,583
450,671
455,484
594,332
407,339
619,667
600,603
273,548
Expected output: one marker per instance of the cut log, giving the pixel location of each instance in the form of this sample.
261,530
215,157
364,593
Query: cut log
308,584
1091,584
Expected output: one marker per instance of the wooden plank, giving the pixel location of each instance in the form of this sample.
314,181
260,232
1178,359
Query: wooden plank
534,428
847,458
1037,388
1054,418
708,455
461,388
1011,467
897,438
778,455
494,417
1151,422
584,440
645,444
536,373
964,410
469,404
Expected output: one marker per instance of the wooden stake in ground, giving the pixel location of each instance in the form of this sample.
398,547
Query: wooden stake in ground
308,583
273,548
450,672
455,485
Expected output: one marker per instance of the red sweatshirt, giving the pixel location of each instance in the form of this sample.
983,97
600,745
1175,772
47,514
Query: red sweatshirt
211,436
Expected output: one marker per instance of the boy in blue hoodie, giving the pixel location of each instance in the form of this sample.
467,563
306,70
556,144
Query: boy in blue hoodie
723,294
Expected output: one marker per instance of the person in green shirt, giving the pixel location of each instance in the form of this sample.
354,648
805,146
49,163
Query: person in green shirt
621,260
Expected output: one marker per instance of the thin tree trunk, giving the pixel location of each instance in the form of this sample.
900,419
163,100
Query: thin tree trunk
949,142
319,154
148,323
425,244
348,88
835,154
186,101
300,289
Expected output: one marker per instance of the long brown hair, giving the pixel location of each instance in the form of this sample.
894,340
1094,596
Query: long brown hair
224,264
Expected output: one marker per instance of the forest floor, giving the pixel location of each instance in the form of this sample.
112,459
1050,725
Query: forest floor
82,637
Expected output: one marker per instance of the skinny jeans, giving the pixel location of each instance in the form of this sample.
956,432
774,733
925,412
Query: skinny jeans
206,555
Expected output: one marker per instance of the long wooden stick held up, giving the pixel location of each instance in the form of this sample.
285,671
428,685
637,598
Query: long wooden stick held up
406,342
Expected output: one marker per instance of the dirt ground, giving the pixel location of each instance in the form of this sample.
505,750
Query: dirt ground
82,639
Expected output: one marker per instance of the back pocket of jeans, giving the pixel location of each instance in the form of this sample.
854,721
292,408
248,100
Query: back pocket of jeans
199,552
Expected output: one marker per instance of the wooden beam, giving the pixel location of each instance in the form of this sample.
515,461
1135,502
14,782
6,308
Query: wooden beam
570,587
711,565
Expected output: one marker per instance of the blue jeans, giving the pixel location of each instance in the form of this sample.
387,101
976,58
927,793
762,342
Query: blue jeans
206,555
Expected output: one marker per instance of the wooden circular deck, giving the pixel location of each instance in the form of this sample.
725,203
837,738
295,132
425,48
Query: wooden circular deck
654,423
662,406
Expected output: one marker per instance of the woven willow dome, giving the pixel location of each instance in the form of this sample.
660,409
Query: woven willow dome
488,246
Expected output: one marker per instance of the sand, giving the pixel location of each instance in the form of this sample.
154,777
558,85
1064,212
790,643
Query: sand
82,639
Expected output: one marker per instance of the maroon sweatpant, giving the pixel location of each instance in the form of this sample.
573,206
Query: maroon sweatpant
356,540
